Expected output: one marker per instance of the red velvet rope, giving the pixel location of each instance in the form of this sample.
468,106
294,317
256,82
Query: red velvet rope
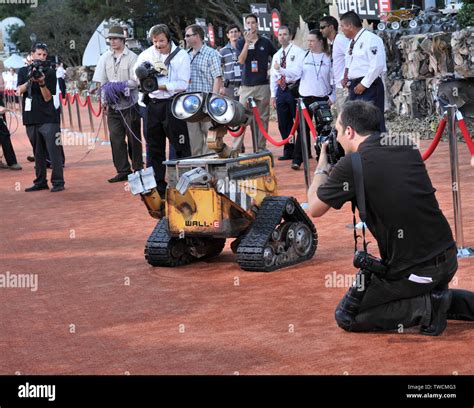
89,101
79,101
69,96
434,143
467,136
310,123
239,133
64,99
267,136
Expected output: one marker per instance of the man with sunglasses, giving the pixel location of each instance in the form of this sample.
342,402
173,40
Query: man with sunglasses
339,43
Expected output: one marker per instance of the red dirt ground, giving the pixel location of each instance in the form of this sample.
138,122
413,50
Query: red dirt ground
87,242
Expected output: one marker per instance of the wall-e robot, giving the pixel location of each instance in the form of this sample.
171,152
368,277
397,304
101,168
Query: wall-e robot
222,195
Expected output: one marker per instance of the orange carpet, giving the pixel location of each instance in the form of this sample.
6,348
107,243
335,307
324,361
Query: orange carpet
100,309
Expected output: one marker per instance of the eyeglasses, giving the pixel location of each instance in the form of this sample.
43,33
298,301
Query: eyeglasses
189,35
41,46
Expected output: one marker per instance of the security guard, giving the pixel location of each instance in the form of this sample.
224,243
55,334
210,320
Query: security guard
365,63
282,99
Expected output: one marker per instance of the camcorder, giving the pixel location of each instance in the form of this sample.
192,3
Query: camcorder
148,74
38,68
326,133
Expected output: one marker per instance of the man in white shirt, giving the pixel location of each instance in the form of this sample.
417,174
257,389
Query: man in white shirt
161,123
282,98
339,44
365,63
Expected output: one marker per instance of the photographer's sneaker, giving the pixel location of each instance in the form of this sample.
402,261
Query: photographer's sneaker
15,166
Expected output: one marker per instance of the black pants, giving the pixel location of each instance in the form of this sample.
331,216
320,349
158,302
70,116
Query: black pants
161,125
392,304
46,138
286,111
121,125
375,94
298,154
6,143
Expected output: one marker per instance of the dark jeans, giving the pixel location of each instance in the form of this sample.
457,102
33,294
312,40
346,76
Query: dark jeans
286,111
121,125
375,94
6,143
391,304
161,125
298,154
46,138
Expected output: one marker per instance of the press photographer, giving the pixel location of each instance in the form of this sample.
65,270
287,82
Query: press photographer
408,286
164,70
37,85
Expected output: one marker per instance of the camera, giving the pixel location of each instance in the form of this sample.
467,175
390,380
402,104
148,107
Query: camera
38,68
326,133
148,73
367,262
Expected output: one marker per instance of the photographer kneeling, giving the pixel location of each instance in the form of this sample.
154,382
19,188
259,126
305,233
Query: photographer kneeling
41,118
409,285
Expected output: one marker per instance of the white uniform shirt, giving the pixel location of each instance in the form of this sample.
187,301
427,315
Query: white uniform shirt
339,48
315,72
10,80
368,58
293,55
179,71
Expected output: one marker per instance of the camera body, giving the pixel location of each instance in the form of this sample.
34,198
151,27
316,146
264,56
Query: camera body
38,68
326,133
369,263
148,74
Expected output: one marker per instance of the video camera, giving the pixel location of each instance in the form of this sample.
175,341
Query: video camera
148,74
326,133
38,68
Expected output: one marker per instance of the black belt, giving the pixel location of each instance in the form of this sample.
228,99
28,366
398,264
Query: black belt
438,259
230,83
156,100
356,81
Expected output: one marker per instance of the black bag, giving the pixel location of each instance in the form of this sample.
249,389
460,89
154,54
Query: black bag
294,88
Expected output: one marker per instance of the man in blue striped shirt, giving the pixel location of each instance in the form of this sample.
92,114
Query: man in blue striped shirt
230,63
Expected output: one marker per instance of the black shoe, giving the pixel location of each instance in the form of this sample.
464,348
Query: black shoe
30,158
55,189
118,178
440,302
36,187
295,166
281,158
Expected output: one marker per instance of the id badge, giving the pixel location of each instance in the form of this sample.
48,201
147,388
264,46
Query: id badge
28,105
254,65
237,72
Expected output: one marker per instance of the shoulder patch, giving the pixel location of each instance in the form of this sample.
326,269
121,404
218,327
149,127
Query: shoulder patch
374,50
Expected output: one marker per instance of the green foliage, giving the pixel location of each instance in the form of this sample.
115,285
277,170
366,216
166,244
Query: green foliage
466,15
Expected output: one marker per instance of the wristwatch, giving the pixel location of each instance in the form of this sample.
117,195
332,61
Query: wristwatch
321,171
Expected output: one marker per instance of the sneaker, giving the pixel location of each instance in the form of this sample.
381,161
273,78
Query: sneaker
15,166
295,166
55,189
36,187
119,177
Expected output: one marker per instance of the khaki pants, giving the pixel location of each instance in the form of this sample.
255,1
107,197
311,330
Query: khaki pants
198,137
261,95
341,96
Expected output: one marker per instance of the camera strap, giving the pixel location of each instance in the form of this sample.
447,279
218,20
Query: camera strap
359,201
171,56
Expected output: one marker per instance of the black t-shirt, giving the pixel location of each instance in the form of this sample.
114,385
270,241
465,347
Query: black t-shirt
402,211
261,54
41,111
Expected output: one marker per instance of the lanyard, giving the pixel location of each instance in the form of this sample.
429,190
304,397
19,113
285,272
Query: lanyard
117,65
320,65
